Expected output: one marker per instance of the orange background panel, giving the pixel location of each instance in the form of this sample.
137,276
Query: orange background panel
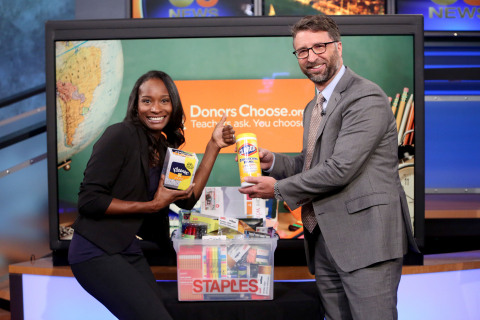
270,108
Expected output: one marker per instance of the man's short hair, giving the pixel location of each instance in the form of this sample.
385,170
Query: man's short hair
317,23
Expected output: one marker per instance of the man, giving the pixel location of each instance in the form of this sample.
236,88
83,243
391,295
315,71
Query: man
354,210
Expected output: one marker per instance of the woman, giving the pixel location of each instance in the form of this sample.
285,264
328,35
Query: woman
122,198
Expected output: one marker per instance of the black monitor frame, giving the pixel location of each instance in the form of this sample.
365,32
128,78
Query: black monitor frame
230,27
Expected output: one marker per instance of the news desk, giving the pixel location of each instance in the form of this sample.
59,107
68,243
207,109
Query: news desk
447,286
39,289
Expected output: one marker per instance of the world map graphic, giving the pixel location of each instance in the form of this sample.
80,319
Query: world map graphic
89,78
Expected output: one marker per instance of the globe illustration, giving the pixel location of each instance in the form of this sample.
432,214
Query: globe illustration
89,77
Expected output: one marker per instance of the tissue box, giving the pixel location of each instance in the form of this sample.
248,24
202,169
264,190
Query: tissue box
179,168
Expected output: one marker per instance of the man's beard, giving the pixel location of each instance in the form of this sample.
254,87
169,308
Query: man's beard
331,68
323,77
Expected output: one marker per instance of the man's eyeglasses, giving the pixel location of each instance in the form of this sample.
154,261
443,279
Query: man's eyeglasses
318,48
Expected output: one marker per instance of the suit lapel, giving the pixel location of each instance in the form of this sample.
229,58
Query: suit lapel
143,142
332,104
306,122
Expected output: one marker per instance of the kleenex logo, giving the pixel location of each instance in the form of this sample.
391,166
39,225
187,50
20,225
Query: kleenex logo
179,168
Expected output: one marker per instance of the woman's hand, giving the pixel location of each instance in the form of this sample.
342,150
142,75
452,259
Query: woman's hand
164,197
223,135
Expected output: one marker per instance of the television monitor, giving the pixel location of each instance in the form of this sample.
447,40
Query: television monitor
191,8
445,16
330,7
242,66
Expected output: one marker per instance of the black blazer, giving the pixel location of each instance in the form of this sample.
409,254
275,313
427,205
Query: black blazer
118,168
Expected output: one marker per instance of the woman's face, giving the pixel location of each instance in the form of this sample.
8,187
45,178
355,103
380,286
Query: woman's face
154,105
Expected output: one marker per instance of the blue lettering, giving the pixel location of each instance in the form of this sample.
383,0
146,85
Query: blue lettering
247,149
207,12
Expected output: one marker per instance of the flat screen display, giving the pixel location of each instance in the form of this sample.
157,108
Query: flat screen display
241,66
335,7
444,15
191,8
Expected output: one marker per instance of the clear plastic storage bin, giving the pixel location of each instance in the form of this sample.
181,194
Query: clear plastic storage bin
238,269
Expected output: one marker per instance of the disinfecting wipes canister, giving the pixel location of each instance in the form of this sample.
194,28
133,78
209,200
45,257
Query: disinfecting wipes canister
248,157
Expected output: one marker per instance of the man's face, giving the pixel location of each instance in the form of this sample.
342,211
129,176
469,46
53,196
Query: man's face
320,68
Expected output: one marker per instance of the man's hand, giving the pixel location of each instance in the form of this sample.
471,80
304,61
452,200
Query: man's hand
266,158
262,188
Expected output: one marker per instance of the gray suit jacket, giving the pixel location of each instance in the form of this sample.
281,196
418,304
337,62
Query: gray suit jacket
353,182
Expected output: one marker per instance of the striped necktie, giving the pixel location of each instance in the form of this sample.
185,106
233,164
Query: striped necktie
308,215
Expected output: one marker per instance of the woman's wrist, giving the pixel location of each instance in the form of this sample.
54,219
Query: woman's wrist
213,144
151,206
